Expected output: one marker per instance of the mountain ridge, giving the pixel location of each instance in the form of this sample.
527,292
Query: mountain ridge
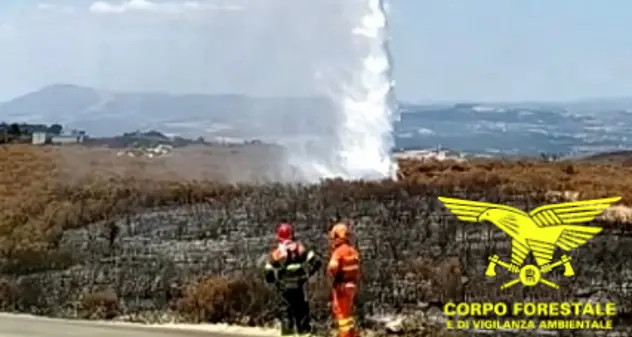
627,100
104,113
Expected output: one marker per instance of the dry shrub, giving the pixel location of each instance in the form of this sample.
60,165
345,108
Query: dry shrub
590,179
8,294
100,305
440,279
242,300
29,259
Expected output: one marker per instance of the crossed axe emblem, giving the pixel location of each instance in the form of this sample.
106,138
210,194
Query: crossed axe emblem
529,275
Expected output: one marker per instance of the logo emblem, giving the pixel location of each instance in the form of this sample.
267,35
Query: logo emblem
537,232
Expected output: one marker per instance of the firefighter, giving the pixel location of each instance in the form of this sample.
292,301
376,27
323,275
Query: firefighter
343,267
289,266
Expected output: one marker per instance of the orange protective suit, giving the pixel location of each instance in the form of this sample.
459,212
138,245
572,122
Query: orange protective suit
343,267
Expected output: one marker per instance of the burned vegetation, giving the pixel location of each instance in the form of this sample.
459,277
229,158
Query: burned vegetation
81,239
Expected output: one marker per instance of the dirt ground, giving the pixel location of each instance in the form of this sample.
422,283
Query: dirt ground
247,163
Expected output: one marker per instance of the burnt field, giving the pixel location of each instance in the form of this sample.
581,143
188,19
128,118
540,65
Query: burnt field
87,234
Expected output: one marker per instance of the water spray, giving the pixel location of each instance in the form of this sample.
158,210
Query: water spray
361,87
369,107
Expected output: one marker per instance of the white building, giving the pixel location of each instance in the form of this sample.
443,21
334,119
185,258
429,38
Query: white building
67,139
40,138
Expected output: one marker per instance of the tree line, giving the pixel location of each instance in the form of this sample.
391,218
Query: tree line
22,132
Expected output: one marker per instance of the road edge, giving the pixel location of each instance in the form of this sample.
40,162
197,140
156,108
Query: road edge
222,329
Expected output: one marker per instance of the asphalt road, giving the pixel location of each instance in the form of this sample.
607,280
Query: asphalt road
26,326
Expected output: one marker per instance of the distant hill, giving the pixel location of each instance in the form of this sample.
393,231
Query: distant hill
106,113
623,156
524,128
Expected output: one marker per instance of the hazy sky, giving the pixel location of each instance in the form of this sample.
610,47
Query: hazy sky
443,50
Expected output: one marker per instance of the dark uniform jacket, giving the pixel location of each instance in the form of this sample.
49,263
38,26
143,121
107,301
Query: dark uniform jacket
290,265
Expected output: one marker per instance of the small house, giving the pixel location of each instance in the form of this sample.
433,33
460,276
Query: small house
39,138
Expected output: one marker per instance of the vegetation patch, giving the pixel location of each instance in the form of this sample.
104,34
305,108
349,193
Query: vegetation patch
413,249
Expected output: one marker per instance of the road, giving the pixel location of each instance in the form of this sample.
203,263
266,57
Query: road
28,326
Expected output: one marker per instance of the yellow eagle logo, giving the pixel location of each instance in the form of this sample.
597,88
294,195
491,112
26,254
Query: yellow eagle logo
537,232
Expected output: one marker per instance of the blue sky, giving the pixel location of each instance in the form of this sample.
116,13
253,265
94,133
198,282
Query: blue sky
512,50
486,50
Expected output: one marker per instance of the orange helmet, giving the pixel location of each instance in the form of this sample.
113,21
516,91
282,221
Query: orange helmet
339,234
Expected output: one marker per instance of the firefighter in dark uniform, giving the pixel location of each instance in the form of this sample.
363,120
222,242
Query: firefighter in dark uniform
289,266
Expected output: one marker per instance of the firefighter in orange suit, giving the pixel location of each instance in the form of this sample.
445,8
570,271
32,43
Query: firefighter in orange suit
343,267
289,267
